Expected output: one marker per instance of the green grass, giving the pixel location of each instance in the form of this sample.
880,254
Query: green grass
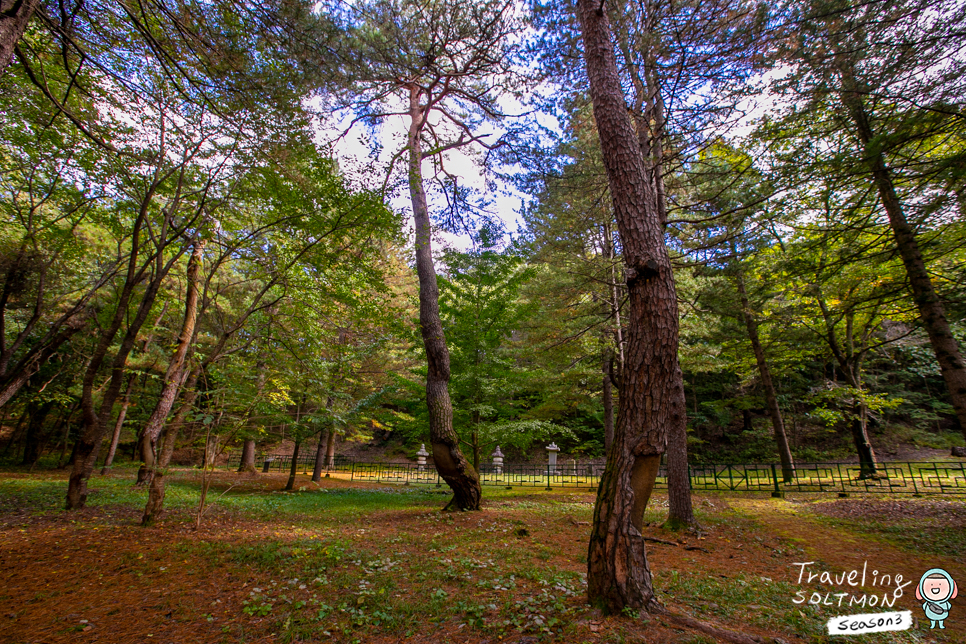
921,536
763,603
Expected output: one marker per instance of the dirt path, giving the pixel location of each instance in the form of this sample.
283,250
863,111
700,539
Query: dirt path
838,550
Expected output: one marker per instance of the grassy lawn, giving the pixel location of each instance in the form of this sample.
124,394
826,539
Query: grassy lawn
350,562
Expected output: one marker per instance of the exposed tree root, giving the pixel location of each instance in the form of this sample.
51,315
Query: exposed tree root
707,628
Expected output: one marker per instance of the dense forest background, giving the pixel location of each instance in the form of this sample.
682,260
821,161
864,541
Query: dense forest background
193,263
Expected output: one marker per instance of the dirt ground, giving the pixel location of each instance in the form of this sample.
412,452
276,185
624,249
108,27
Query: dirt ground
96,576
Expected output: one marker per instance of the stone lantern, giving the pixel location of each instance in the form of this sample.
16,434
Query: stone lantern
497,460
421,458
552,450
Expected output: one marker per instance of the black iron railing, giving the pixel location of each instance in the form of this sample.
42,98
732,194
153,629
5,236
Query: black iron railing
844,478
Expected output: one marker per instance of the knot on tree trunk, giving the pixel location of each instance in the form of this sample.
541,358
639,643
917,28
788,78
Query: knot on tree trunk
644,270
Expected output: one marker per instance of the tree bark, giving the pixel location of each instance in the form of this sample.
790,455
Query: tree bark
155,503
174,375
930,306
35,359
116,435
14,16
451,464
651,404
92,434
320,457
34,439
294,468
771,398
860,435
650,124
248,457
608,401
146,470
330,453
680,508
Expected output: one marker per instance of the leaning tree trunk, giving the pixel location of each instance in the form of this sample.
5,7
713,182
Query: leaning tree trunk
155,503
451,464
118,425
95,421
152,509
14,16
146,455
295,464
248,457
930,306
652,394
771,398
863,446
148,465
174,375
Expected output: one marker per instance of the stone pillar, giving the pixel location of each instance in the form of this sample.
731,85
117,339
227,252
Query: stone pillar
497,460
421,458
573,467
552,450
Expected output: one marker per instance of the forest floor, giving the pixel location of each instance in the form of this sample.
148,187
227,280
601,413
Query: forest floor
350,562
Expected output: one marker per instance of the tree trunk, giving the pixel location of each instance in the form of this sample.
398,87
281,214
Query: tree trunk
155,503
211,450
14,16
651,404
294,469
330,452
248,457
930,307
649,120
771,398
34,438
680,509
116,436
15,432
175,373
320,457
608,401
860,434
95,420
146,470
450,462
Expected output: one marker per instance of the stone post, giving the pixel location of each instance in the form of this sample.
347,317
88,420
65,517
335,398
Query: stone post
497,460
552,450
421,458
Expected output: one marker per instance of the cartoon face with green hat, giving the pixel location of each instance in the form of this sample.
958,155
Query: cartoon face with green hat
936,589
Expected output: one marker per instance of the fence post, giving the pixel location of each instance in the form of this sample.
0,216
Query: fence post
777,494
548,478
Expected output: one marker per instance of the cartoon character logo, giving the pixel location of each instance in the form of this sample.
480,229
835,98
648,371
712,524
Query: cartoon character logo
936,589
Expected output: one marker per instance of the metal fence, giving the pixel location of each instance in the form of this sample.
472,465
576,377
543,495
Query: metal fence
304,464
844,478
888,478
